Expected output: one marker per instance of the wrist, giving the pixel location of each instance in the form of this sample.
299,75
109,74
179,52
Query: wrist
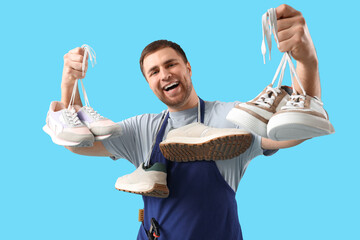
67,83
310,63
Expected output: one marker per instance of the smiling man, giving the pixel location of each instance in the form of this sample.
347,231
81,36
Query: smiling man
169,75
201,204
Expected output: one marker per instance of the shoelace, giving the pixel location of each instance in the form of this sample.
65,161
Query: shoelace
267,99
296,100
93,113
72,117
269,27
88,51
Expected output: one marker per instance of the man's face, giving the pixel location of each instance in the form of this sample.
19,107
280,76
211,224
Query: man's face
169,77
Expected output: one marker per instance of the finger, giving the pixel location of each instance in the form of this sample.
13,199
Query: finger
77,50
291,43
73,73
285,35
285,11
76,57
72,64
287,23
290,32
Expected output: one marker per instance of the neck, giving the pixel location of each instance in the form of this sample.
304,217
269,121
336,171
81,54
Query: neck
191,102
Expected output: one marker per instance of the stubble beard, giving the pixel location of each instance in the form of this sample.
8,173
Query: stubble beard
181,102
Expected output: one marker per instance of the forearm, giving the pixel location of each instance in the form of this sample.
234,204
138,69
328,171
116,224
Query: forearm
66,91
97,150
273,145
309,76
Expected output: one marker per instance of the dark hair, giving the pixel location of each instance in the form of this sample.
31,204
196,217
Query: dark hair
157,45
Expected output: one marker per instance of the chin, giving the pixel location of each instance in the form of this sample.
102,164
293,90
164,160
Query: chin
175,102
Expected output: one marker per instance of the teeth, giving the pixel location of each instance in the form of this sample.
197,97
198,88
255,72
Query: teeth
170,85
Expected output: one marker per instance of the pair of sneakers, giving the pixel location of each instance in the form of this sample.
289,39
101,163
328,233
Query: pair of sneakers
280,113
78,126
193,142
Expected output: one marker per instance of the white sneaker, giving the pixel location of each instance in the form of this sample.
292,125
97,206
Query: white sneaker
255,114
145,181
65,128
197,141
100,126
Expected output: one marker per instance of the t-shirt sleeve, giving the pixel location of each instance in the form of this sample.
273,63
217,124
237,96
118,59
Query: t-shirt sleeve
136,139
124,145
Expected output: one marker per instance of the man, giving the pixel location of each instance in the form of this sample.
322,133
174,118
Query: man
201,204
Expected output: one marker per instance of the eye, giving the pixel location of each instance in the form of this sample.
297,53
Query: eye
171,65
153,73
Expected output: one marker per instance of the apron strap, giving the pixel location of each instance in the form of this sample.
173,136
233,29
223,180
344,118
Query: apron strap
202,110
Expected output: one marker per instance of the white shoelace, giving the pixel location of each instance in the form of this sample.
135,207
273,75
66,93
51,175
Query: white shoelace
94,114
72,117
296,100
267,99
88,51
269,26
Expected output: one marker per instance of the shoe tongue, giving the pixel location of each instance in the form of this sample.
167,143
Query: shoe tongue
287,89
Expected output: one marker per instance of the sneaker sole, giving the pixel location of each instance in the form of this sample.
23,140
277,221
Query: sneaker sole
113,133
62,142
158,190
220,148
296,126
248,121
102,137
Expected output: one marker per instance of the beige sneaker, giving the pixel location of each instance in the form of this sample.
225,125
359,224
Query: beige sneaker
145,181
255,114
301,118
197,141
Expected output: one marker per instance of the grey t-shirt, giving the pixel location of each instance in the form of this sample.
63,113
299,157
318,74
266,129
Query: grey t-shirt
139,133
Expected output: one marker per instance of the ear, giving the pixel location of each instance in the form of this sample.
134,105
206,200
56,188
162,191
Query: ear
188,66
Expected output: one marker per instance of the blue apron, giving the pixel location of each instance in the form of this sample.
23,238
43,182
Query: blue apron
201,204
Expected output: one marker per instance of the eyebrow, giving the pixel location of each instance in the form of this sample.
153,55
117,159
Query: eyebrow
164,63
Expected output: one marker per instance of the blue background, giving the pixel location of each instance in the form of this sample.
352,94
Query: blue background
307,192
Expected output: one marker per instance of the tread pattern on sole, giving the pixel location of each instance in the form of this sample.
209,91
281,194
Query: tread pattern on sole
221,148
159,190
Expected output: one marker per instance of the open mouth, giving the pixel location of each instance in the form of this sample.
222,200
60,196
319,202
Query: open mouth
171,86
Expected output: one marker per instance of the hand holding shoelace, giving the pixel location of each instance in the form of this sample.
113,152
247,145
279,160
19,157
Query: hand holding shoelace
74,68
293,35
74,65
88,53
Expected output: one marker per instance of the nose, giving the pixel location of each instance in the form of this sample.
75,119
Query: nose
165,74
